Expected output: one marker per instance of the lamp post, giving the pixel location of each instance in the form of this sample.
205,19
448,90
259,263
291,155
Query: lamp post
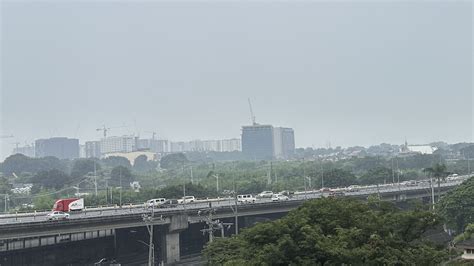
151,247
6,202
322,175
217,182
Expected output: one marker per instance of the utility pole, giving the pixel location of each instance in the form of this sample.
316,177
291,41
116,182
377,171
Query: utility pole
212,225
322,175
95,177
432,193
6,203
398,174
236,218
271,171
468,166
151,246
217,183
120,176
184,194
393,174
304,179
192,178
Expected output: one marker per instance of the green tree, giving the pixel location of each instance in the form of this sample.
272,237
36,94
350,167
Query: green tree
379,175
5,186
468,233
333,232
121,176
457,206
43,202
439,172
51,179
81,167
141,164
339,178
173,160
19,163
114,161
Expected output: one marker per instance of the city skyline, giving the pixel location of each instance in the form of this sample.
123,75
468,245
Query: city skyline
341,73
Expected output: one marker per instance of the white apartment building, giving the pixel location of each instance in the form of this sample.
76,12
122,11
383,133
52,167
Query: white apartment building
92,149
226,145
117,144
26,150
229,145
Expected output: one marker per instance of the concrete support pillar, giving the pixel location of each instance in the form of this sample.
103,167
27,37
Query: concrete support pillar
170,240
170,250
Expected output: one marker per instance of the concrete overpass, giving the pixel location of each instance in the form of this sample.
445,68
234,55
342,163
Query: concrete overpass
33,231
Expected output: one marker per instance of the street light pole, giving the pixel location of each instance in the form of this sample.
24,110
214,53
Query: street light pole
217,183
120,177
151,247
236,223
322,175
95,178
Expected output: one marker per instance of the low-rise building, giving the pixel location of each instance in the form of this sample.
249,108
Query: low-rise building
468,247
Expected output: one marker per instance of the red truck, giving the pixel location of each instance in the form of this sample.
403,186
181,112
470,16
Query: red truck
68,205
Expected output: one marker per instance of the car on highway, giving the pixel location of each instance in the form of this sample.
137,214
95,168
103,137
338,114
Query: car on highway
325,189
336,194
155,202
57,215
169,203
187,199
287,193
279,197
246,198
265,194
354,188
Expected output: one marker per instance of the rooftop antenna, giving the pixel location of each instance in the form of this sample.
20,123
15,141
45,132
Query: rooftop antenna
252,116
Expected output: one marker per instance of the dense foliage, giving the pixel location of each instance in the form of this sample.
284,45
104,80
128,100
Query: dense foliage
333,232
457,206
173,160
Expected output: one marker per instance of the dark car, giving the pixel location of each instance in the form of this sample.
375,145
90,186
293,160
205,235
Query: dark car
169,203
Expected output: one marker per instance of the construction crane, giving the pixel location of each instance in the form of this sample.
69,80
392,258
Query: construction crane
6,136
16,145
252,116
105,129
153,134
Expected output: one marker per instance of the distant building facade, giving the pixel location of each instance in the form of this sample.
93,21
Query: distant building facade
225,145
230,145
258,142
117,144
287,142
154,145
92,149
265,142
25,150
417,149
62,148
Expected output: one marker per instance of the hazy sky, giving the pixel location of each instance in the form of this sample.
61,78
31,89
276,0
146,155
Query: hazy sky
352,73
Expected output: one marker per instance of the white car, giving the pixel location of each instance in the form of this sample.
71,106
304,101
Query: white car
246,198
265,194
155,202
187,199
279,197
57,215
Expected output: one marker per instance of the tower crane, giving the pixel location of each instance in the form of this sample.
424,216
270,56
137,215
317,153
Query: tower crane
6,136
252,116
153,134
105,129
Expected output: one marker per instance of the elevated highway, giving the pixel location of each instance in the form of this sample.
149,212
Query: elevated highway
34,230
